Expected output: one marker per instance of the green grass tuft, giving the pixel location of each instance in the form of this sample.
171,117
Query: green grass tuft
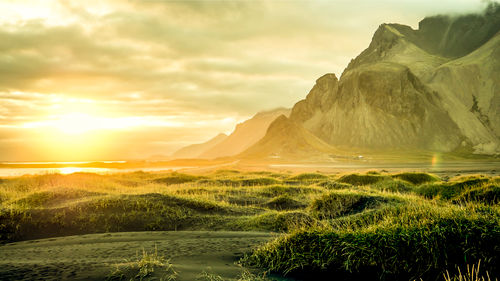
454,189
309,177
283,202
334,185
357,179
150,266
176,178
258,181
335,204
471,273
416,178
394,186
418,245
489,194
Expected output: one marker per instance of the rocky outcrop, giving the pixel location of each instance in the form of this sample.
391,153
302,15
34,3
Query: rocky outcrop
436,88
382,106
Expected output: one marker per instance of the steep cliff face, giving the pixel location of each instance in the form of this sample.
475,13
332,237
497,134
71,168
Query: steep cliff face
436,88
470,89
457,36
319,98
383,106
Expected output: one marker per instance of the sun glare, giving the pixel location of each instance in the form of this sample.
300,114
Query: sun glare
76,123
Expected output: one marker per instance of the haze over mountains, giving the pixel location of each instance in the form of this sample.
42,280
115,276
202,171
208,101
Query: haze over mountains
244,135
195,150
289,140
436,89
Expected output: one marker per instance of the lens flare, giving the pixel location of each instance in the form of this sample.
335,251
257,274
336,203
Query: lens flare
434,160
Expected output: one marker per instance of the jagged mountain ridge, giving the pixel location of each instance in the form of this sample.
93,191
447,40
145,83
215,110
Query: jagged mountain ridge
408,91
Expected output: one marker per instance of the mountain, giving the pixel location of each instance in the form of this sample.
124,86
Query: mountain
288,140
245,134
195,150
436,88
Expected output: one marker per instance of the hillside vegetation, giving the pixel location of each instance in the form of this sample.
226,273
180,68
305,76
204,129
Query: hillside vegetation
393,226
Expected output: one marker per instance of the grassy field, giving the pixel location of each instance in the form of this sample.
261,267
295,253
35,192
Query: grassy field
402,226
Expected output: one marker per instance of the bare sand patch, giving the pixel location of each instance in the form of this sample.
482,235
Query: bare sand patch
93,256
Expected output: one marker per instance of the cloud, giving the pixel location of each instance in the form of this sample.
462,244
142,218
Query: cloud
194,61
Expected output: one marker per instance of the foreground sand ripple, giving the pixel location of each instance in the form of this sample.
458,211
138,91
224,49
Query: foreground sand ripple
91,257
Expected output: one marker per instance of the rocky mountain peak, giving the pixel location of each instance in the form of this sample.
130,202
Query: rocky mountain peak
384,39
457,36
281,124
327,81
320,96
414,89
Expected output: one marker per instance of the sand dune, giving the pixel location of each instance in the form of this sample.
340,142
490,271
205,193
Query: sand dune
92,257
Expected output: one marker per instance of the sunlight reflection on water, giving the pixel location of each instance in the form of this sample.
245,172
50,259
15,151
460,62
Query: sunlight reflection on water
10,172
14,172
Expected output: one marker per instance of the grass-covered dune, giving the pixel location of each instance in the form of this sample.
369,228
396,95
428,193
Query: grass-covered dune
401,243
377,225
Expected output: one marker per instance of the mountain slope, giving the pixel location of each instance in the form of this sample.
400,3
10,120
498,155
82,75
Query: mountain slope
288,140
470,88
383,105
245,134
195,150
410,92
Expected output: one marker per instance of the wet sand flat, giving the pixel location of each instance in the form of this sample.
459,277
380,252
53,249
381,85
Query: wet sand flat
92,257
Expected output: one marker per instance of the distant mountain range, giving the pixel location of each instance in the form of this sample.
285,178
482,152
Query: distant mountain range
244,135
196,150
433,89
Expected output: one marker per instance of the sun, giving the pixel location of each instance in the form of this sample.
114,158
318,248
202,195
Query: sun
76,123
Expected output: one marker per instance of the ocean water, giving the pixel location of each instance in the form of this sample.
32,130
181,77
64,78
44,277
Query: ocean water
11,171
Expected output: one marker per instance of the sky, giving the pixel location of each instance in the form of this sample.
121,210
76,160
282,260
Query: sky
117,79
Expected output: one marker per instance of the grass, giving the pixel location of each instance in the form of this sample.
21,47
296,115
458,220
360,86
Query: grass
356,226
357,179
330,184
335,204
416,178
245,275
457,188
308,177
472,273
486,194
176,178
418,242
393,185
149,266
283,202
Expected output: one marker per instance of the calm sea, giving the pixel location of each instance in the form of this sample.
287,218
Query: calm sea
38,169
